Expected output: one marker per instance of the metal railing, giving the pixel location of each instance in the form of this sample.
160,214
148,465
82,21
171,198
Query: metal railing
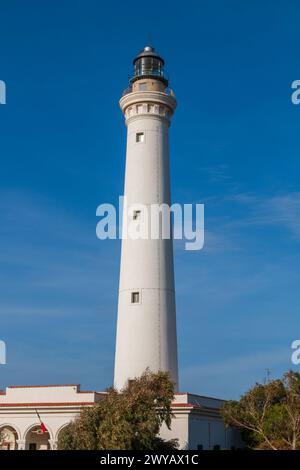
168,91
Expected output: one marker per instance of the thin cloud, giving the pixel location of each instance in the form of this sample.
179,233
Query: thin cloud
217,377
50,256
279,210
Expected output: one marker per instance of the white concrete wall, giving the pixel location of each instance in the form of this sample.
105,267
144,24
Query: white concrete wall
179,430
200,426
146,332
207,432
56,405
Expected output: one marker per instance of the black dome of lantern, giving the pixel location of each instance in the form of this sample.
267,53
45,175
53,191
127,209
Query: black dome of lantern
149,64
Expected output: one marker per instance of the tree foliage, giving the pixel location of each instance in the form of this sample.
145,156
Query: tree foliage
126,420
268,415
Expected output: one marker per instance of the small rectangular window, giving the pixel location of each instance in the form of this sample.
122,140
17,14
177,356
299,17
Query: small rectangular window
135,297
136,215
143,86
140,137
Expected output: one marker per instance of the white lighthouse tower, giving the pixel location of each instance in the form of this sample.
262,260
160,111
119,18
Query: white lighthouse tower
146,328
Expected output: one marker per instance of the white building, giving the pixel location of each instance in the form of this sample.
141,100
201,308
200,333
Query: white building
146,329
56,405
196,424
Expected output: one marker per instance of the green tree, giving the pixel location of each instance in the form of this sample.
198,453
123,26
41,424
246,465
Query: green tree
268,415
126,420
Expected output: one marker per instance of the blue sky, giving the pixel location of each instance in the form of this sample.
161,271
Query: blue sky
234,147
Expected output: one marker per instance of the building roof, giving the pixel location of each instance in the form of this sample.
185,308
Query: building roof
70,395
48,395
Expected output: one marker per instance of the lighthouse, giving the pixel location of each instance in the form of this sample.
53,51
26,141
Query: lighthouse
146,325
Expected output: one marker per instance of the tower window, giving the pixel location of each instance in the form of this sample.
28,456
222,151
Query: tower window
140,137
136,215
135,297
143,86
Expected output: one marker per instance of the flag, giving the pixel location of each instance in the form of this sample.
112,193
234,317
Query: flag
43,427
